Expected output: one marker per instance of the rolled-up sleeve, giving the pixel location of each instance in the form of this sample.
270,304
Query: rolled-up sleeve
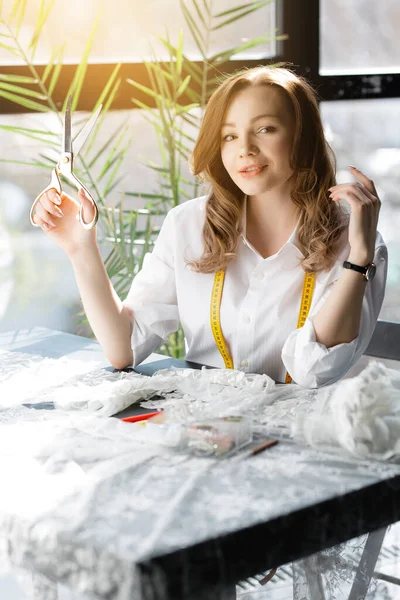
312,364
152,296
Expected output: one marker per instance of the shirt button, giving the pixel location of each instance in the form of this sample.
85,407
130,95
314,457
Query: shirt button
246,319
244,363
261,275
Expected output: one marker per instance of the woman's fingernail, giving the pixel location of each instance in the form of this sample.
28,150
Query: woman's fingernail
353,167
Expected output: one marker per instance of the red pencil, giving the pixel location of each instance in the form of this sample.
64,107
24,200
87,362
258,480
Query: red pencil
142,417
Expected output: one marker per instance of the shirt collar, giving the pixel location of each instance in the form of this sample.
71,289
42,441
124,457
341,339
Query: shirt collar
291,242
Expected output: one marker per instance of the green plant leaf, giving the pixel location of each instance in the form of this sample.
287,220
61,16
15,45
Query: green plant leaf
50,64
195,69
18,78
148,196
9,87
227,54
18,10
196,33
109,90
200,14
143,88
183,86
106,145
117,165
25,102
243,7
187,108
207,8
43,14
76,85
35,134
179,56
114,153
108,86
104,111
26,163
57,70
254,7
10,49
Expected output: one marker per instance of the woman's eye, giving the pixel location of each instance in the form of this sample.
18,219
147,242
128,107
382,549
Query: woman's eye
267,129
225,139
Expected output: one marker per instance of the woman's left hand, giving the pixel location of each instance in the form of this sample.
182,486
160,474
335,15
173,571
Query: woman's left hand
364,205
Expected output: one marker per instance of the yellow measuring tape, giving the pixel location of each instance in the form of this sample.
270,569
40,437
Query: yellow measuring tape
215,313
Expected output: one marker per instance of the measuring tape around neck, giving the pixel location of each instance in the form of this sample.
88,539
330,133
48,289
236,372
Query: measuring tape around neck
215,313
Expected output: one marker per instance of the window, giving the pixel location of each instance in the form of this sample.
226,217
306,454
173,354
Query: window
126,29
359,36
376,151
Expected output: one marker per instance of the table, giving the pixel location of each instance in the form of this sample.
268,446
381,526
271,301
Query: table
193,532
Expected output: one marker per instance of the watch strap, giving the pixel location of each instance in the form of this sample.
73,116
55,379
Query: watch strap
349,265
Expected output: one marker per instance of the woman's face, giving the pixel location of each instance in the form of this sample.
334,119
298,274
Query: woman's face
256,140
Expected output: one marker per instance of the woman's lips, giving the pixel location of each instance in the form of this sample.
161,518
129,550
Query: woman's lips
253,173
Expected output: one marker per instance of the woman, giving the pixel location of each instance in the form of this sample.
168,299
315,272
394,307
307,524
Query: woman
232,266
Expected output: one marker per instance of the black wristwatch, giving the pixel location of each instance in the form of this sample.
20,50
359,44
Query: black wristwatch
368,271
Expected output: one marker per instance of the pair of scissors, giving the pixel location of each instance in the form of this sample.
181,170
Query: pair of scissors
65,164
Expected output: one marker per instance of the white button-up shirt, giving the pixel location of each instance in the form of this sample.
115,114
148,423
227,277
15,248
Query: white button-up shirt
259,308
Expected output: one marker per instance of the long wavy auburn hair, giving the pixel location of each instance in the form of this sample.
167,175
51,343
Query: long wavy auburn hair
312,160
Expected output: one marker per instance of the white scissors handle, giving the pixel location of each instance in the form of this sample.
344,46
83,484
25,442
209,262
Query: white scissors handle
65,168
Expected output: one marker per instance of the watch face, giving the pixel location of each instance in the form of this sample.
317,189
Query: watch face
370,274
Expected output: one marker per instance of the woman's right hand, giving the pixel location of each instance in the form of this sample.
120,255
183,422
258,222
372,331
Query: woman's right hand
58,217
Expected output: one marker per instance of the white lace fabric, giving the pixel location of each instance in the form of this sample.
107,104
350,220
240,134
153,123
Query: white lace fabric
73,456
359,416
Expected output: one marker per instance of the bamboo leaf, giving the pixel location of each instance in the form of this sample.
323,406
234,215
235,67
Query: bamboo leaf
35,134
113,155
242,7
193,28
103,114
227,54
143,88
207,8
50,64
25,102
239,16
76,85
158,75
113,85
26,163
10,49
116,182
191,119
21,15
106,145
108,86
57,70
187,108
18,78
179,55
147,196
16,8
192,70
21,90
200,14
183,86
43,15
194,66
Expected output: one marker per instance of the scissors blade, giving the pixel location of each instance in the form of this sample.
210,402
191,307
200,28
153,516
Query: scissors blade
84,133
67,139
